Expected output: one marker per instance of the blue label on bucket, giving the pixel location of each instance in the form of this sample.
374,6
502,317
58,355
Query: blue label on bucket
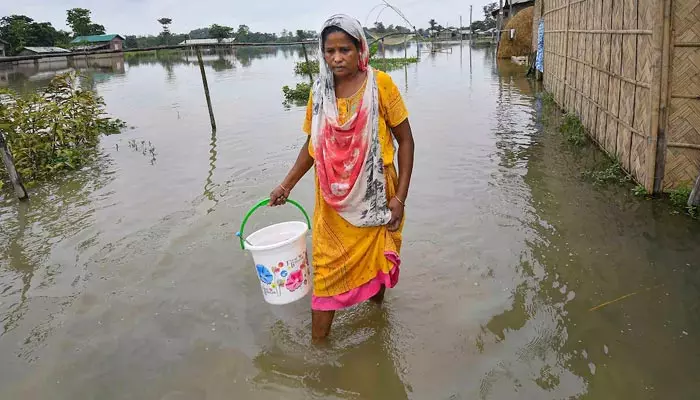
264,274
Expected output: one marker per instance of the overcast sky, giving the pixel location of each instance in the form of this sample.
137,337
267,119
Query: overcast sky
139,16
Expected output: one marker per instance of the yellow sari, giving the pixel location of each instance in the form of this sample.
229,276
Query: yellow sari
346,257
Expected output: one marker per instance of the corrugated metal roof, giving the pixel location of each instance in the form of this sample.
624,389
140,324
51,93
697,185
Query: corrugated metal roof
46,50
96,38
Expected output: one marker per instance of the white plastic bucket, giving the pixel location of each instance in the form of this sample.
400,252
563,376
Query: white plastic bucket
280,257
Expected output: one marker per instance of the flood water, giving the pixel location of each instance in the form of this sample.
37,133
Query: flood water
125,281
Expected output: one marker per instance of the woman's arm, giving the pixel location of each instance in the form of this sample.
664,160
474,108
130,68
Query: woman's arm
404,136
303,164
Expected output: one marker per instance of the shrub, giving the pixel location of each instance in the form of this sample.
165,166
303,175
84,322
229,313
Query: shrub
56,129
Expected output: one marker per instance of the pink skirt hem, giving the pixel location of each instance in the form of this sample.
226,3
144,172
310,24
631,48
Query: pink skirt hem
361,293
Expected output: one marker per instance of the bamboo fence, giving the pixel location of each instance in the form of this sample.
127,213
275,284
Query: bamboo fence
630,70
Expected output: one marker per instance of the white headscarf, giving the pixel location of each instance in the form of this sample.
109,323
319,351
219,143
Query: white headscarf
348,158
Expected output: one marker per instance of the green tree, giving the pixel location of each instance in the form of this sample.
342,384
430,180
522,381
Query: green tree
130,42
301,35
15,31
220,32
379,27
165,22
242,33
21,31
80,21
489,20
201,33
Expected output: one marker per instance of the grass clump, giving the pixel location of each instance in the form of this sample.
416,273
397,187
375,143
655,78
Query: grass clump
573,130
607,174
679,199
679,196
640,191
298,95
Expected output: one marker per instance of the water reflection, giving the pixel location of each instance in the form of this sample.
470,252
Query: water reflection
30,76
58,211
360,362
209,184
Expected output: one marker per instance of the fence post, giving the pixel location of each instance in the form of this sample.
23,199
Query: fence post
499,24
15,178
566,52
470,26
206,87
308,66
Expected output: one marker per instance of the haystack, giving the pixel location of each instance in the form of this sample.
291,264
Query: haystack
521,44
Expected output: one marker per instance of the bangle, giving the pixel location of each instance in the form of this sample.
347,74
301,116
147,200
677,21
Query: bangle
399,200
285,189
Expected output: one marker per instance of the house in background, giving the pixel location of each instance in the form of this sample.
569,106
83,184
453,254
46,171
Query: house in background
518,5
207,42
98,42
3,46
38,51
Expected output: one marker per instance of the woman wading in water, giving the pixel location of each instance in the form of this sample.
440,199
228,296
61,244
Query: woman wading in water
353,116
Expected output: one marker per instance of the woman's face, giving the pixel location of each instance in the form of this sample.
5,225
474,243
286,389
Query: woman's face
341,55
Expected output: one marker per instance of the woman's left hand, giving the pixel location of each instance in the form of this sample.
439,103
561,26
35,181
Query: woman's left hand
396,214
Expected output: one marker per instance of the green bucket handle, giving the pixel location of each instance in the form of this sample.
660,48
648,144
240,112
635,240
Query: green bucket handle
263,203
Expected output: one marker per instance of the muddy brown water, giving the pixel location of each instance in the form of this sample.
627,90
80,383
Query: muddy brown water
124,280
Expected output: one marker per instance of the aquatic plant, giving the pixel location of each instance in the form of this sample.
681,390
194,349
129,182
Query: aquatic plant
640,191
573,130
548,100
391,64
304,68
679,199
56,129
298,95
679,196
373,48
610,172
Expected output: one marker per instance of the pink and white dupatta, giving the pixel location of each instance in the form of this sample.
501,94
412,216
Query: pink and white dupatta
348,158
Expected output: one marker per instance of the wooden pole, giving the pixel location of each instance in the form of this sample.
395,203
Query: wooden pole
405,46
9,162
460,31
308,66
470,26
566,50
694,199
510,9
500,23
661,56
206,87
384,54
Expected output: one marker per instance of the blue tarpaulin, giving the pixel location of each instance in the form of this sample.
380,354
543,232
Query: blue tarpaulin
539,61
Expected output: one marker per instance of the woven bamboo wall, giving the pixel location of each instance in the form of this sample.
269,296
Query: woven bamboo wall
633,78
682,163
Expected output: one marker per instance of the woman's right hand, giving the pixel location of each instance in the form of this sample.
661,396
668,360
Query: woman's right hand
278,196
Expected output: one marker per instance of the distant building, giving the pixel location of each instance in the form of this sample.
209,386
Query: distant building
98,42
518,5
205,42
35,51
